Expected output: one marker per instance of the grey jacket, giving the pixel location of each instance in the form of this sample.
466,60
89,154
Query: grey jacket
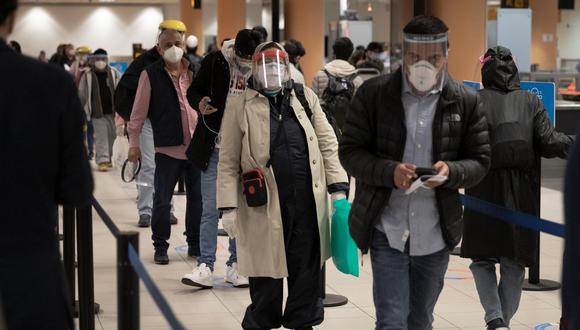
90,95
339,68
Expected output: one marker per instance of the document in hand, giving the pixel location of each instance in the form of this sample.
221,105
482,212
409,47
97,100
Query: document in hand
422,181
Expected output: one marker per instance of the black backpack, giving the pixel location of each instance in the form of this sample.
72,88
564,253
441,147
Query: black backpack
337,96
299,90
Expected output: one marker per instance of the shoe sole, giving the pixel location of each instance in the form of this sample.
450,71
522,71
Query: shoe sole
157,262
189,282
241,286
143,225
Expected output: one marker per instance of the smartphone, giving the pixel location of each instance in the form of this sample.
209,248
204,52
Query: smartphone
421,171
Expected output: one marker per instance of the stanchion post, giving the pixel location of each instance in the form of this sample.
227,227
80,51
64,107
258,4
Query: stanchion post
68,249
85,269
127,283
330,300
534,283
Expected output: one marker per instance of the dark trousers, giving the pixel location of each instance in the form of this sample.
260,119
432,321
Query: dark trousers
33,295
90,138
304,307
167,173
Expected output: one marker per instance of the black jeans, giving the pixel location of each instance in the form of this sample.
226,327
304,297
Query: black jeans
167,173
304,307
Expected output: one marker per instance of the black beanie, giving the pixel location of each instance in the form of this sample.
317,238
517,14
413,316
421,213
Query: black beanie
100,51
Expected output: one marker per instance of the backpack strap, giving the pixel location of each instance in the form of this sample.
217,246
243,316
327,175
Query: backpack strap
299,90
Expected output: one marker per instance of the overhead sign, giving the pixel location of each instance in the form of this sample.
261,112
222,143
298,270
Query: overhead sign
546,92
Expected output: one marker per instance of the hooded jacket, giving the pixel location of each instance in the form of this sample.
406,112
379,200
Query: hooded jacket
337,68
520,133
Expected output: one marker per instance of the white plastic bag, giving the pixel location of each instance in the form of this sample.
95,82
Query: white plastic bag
120,151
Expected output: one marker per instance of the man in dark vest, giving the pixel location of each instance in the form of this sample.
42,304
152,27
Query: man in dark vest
162,97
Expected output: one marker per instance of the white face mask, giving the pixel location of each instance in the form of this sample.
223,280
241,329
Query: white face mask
245,66
100,65
423,76
173,55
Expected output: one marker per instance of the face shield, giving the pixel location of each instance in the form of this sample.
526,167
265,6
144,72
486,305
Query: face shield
424,61
270,69
100,61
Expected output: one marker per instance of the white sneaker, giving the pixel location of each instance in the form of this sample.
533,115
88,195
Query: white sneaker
233,277
201,277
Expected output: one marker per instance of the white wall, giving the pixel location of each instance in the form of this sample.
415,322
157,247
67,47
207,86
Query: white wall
254,14
209,22
569,33
112,27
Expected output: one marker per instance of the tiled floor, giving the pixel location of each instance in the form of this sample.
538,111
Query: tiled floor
223,307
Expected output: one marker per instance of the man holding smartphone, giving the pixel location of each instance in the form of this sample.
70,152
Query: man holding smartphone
222,75
418,117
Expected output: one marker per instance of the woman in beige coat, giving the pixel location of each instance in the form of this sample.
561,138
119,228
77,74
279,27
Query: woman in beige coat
280,156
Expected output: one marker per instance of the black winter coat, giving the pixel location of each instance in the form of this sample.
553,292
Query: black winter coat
520,133
571,280
373,144
127,87
213,80
43,163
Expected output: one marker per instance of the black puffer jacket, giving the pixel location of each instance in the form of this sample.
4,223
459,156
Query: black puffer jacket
520,133
127,87
374,141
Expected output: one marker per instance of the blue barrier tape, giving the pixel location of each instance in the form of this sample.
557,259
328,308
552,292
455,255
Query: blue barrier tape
518,218
153,290
105,217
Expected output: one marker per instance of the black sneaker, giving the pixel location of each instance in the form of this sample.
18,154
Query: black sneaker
193,251
173,219
497,324
161,257
144,220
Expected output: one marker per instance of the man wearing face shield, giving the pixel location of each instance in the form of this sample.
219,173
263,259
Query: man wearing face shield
81,63
400,126
162,98
277,133
223,75
96,91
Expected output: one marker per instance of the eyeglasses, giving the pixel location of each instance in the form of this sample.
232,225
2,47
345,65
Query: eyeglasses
435,59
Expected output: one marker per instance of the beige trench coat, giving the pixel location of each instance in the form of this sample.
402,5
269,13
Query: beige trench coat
245,144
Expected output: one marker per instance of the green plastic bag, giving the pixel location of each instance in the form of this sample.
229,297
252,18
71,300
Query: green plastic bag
344,249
